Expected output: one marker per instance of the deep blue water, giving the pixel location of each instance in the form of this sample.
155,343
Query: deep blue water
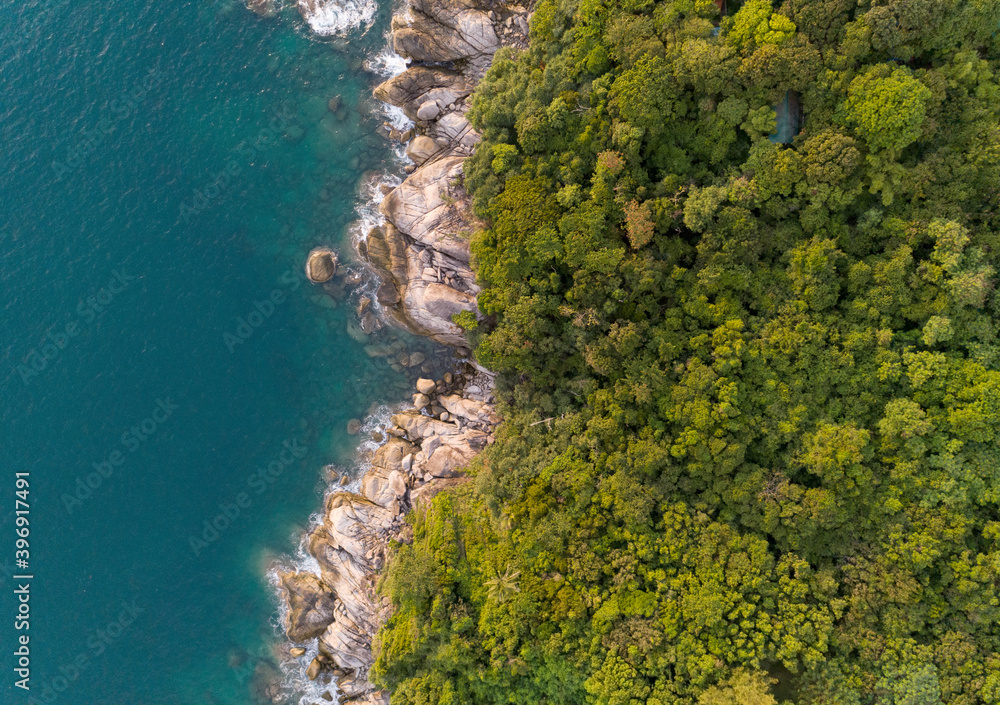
166,167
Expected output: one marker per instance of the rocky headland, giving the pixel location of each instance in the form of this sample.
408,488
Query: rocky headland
422,251
421,255
335,614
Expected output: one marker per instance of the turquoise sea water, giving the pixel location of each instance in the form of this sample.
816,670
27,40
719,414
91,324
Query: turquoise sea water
166,167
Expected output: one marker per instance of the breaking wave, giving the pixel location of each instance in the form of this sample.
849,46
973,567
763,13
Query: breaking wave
329,17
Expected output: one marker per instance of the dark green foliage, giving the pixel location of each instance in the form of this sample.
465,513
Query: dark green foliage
770,466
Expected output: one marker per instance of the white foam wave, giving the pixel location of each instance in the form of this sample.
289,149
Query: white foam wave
386,63
369,199
329,17
295,680
378,422
397,118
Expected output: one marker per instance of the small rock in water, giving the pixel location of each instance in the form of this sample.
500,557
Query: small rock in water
355,331
297,651
354,427
448,378
403,360
344,480
314,669
321,265
377,437
369,323
327,697
323,301
264,8
353,279
420,400
334,103
416,358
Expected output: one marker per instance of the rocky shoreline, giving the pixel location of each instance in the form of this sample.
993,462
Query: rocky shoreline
422,257
422,251
339,611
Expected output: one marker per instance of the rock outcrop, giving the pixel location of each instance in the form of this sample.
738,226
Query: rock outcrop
419,84
310,606
340,607
422,252
437,31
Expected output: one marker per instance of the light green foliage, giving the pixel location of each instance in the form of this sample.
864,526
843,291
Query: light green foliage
465,320
756,24
742,688
887,107
504,156
751,392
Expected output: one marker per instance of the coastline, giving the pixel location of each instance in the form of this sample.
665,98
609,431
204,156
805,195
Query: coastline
331,609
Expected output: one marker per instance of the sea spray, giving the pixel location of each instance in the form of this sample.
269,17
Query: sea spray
386,63
329,17
369,198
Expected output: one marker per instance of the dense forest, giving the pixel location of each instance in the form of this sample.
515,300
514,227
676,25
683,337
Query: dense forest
738,267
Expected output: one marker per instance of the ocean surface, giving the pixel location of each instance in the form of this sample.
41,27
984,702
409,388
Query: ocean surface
171,384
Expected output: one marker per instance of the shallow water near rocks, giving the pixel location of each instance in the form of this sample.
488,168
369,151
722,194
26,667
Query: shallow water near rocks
170,381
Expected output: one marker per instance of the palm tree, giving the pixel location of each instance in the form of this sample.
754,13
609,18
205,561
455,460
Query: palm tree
504,585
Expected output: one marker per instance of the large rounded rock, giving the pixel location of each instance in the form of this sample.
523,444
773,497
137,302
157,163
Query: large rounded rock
321,265
422,148
425,386
314,668
310,606
428,110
